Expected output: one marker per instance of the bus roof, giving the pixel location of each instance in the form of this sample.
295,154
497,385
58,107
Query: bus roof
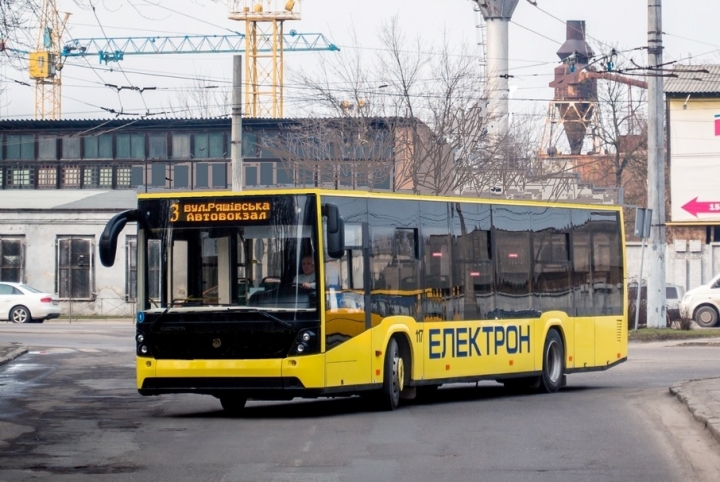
378,195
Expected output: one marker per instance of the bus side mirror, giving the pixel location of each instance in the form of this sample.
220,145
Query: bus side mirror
335,231
108,239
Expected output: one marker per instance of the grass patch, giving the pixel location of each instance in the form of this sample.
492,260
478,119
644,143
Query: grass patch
662,334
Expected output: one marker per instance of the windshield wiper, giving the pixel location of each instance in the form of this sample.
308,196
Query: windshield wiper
274,318
155,322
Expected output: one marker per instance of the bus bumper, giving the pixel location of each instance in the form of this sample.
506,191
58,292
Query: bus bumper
274,379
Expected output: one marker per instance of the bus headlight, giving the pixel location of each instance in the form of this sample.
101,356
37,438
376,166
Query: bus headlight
306,343
142,347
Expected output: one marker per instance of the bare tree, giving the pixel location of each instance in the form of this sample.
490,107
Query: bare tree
621,130
431,102
202,98
18,28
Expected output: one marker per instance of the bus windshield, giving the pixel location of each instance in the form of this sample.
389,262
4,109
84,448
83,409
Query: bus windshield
256,263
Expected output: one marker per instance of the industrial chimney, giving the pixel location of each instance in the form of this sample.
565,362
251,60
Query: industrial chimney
497,15
575,94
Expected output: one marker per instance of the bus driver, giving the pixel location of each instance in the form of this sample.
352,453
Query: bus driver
307,278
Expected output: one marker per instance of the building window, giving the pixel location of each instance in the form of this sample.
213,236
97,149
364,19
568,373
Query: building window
19,178
90,177
270,145
158,146
106,177
124,176
47,148
157,174
285,175
138,176
181,146
201,175
20,147
47,177
12,258
267,177
71,148
74,267
70,177
249,145
98,147
219,175
181,177
130,146
130,268
251,175
209,146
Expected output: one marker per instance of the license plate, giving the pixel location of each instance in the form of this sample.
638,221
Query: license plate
55,302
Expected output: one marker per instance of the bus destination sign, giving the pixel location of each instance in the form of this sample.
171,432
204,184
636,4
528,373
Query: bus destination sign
207,211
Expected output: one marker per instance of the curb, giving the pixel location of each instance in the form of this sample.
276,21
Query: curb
698,410
15,352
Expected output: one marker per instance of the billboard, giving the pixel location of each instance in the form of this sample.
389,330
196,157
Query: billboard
695,160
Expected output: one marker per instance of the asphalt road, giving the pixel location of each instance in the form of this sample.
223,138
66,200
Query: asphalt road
69,412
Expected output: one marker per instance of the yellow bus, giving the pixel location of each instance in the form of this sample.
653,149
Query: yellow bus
276,294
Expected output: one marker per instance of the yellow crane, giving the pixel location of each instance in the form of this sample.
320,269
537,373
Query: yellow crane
264,47
45,63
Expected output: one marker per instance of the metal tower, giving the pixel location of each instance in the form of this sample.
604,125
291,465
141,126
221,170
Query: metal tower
497,15
573,108
46,62
481,40
264,71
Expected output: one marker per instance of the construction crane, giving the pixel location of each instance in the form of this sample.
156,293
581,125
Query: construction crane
45,63
264,59
261,100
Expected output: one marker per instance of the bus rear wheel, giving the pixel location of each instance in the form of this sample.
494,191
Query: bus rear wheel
553,370
393,378
233,404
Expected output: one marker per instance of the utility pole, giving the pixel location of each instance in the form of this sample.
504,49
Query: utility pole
656,169
236,134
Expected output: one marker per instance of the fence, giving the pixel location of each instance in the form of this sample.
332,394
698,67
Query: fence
99,307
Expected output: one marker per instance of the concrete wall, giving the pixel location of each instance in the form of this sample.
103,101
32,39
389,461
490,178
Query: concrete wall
41,230
688,263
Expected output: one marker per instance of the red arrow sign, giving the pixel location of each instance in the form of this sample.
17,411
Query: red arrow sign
694,207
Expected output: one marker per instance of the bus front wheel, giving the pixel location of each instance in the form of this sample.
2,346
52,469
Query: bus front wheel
553,369
233,405
394,377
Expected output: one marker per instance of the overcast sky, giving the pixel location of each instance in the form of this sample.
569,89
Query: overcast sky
536,33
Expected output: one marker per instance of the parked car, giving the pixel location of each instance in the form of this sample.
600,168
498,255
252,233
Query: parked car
21,303
702,304
673,295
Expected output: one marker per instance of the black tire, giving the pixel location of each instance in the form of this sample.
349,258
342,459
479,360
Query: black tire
393,378
232,404
553,370
20,314
706,316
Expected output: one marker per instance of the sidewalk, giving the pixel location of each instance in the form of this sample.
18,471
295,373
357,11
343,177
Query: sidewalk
10,351
702,397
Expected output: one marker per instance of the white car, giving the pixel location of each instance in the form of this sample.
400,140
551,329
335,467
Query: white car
702,304
21,303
